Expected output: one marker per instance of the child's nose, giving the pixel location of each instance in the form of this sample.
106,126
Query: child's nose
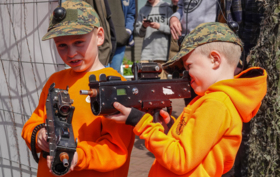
72,52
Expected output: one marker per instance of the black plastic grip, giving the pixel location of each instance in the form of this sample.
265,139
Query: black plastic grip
33,140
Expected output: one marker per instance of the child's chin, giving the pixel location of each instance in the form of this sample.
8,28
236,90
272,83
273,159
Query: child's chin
199,92
78,70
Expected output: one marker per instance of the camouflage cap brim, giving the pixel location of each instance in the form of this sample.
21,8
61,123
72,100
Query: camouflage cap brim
176,64
67,31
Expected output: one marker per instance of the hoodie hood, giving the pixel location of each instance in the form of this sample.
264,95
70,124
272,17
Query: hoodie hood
246,91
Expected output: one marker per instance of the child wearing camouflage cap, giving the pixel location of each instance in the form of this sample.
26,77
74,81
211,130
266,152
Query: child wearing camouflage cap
104,146
205,138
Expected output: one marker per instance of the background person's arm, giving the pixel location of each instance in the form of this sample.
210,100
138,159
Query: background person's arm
174,22
140,30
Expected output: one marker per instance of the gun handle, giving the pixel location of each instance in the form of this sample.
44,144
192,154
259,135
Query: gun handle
156,115
169,110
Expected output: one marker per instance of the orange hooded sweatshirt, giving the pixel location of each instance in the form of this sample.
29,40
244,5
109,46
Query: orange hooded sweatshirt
204,140
104,146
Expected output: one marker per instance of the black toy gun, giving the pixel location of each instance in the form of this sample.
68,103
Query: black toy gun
59,129
145,92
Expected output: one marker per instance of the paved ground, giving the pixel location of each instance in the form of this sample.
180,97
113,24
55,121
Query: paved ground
141,159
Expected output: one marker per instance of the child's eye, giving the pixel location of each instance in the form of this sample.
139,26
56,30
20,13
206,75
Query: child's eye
78,42
61,45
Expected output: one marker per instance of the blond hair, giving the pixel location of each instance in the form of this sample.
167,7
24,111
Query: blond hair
230,51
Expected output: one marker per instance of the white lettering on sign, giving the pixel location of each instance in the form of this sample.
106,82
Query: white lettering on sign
167,91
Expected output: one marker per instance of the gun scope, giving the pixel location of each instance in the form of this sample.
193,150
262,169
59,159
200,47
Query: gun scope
64,102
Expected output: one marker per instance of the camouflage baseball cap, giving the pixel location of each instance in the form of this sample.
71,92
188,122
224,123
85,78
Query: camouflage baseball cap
80,18
202,34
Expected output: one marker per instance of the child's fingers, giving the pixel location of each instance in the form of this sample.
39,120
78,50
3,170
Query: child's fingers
74,161
43,145
42,140
165,116
124,110
49,161
118,106
122,116
117,117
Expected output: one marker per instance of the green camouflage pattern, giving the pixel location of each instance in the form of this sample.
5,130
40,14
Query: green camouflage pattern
80,19
202,34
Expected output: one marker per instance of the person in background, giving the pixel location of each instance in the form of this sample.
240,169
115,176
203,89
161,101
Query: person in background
174,47
153,25
191,13
123,17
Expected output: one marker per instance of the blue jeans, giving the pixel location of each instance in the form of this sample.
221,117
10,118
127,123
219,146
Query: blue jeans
118,58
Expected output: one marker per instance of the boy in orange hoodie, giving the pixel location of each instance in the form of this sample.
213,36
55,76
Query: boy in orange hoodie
205,138
104,146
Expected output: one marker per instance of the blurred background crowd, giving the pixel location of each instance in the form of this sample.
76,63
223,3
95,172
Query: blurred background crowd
155,28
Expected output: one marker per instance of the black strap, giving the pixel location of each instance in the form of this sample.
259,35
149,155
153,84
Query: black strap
33,140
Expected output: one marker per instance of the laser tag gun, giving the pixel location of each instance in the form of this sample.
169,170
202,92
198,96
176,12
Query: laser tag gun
59,129
146,92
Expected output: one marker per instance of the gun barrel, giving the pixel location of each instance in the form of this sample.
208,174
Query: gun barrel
65,163
91,93
64,159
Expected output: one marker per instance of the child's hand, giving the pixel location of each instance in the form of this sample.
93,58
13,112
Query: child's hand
122,116
154,25
165,116
42,140
165,120
73,163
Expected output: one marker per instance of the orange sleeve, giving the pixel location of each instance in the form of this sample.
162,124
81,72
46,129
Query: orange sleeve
110,151
182,153
37,117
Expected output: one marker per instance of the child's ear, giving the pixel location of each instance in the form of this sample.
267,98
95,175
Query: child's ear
215,58
100,36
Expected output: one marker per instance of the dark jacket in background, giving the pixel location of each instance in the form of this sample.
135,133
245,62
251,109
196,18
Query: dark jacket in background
231,9
107,49
123,17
